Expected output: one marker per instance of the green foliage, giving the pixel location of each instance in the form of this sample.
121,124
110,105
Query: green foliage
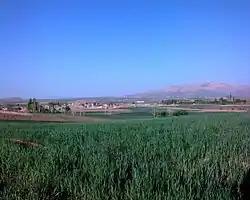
161,114
33,105
198,157
30,105
180,112
167,113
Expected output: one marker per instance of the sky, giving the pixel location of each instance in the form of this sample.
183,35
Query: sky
52,49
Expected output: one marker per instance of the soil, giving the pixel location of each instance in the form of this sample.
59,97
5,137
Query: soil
26,143
45,117
15,113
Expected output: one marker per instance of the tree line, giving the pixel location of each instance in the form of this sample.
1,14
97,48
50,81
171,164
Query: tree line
219,101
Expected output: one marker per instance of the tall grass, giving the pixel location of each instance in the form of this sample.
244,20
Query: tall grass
176,158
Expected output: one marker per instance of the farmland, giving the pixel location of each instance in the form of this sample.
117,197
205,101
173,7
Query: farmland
201,156
37,117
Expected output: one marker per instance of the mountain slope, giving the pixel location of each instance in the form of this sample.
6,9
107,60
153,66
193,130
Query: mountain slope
210,89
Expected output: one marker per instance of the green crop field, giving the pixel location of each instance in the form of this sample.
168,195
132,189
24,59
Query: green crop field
179,158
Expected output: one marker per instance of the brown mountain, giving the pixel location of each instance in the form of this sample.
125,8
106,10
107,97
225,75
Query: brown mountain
208,89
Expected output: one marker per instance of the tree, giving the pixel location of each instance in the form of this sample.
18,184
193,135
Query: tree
34,104
30,105
67,108
154,112
42,109
52,107
222,101
215,101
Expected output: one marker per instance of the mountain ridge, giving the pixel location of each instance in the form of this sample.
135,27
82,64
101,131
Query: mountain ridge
206,89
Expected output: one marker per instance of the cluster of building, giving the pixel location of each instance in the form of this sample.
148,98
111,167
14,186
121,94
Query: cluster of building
61,107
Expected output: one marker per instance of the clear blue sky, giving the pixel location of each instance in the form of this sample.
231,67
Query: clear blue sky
100,48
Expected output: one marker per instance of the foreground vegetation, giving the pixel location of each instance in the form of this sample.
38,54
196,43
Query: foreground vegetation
187,157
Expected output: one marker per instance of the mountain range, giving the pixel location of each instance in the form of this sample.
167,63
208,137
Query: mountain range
203,90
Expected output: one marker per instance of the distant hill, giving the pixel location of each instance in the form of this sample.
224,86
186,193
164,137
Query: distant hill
12,100
209,89
15,100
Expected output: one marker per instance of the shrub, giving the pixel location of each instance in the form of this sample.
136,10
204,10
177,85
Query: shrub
170,113
161,114
180,112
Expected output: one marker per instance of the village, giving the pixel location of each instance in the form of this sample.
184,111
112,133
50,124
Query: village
34,106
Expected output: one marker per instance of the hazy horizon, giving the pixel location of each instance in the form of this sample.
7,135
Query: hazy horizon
112,48
128,94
